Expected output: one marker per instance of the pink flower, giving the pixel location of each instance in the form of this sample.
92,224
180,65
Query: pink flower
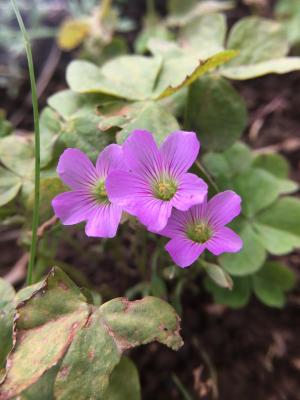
88,200
156,179
203,227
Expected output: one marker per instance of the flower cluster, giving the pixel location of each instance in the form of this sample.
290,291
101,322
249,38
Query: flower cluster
152,184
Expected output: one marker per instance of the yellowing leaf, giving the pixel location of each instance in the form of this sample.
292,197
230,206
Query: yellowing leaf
72,33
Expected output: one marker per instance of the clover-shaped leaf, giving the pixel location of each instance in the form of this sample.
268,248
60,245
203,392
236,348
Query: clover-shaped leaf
7,306
270,285
55,326
211,96
272,282
288,13
236,297
262,45
268,222
17,156
112,78
79,121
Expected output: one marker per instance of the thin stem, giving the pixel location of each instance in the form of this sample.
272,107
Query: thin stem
181,388
104,8
35,218
207,175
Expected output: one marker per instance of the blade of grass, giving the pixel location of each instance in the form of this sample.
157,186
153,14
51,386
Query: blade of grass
35,218
181,388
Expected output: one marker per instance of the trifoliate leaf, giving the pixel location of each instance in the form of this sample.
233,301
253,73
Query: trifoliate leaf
237,297
129,77
216,111
272,282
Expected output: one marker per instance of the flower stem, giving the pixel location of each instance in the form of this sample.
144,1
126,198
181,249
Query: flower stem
35,218
207,175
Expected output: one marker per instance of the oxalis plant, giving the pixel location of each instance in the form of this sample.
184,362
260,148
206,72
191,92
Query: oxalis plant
120,151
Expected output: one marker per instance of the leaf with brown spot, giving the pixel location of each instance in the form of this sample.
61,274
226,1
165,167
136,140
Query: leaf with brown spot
116,326
45,325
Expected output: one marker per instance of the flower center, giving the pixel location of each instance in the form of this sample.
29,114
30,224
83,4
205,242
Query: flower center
199,232
164,189
99,192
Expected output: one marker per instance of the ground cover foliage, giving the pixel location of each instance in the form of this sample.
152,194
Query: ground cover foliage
64,341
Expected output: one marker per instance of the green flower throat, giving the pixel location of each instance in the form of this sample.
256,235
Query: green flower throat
100,194
199,232
164,189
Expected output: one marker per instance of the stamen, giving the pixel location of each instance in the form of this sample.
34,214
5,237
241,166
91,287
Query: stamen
165,188
199,232
99,192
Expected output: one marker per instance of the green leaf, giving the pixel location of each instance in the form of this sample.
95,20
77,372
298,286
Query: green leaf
50,124
278,166
178,72
69,104
288,12
124,382
55,326
262,46
82,131
150,116
276,66
7,306
142,321
231,162
257,40
5,126
236,298
257,188
273,163
154,29
43,388
183,12
216,111
10,185
115,327
204,34
17,154
113,77
251,257
50,186
81,116
272,282
278,226
218,275
44,329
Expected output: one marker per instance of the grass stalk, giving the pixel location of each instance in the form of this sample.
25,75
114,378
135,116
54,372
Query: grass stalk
35,218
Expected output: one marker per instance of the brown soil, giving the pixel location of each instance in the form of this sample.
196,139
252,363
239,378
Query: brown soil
253,352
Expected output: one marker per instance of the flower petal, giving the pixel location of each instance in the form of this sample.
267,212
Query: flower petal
183,251
176,225
109,159
76,170
224,240
125,188
179,151
153,213
141,154
223,208
72,207
104,221
192,190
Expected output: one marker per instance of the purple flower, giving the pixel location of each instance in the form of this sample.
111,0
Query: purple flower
88,200
203,227
156,179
